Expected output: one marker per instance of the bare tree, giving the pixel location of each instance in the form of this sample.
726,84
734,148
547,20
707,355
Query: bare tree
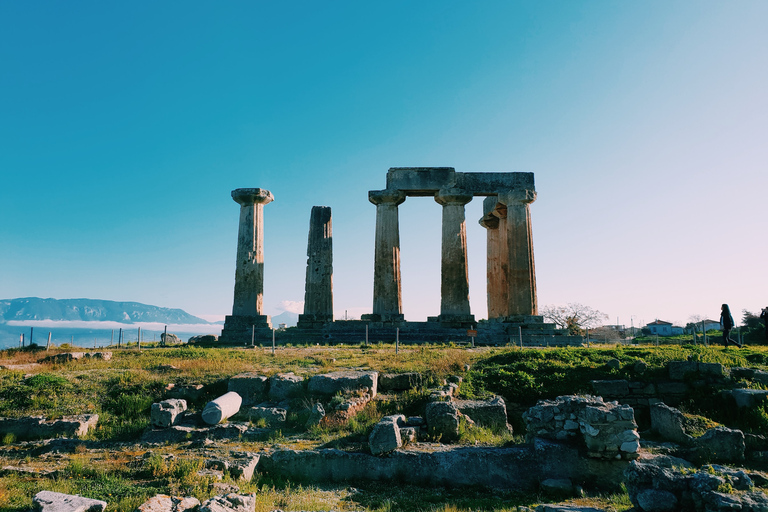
574,317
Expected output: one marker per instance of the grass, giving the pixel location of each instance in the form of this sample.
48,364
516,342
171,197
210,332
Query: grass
122,390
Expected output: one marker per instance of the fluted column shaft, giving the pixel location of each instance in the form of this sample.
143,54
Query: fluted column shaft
495,222
454,284
521,272
249,272
387,292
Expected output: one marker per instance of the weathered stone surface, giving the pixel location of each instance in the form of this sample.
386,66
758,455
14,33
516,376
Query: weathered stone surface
566,508
166,503
329,384
679,369
190,392
203,339
658,501
487,413
748,397
168,412
37,427
285,385
454,284
49,501
230,503
243,465
222,408
316,415
607,429
169,339
610,388
318,290
557,485
272,416
105,356
387,294
720,444
398,381
65,357
521,270
669,423
443,420
385,437
252,387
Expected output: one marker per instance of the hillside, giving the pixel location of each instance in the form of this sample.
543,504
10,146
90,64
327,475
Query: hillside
92,310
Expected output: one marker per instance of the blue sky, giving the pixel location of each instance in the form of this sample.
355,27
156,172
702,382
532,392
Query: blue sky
124,127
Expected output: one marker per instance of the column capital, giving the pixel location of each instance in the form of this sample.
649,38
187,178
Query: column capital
523,195
455,196
396,197
250,196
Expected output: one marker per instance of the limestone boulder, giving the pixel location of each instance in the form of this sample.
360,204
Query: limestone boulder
669,423
252,387
385,437
285,385
169,339
203,339
316,415
443,420
487,413
398,381
230,503
329,384
272,416
49,501
166,503
168,412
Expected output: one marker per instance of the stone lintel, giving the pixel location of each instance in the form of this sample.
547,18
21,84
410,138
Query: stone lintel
249,196
425,181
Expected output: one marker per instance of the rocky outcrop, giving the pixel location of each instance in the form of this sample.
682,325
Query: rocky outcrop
49,501
606,429
37,427
711,489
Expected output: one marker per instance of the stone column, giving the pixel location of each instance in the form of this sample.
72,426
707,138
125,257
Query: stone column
495,222
521,271
318,290
454,284
249,273
387,294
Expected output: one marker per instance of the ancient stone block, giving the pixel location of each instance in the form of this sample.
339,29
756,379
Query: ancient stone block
610,388
329,384
669,423
168,412
398,381
230,503
285,385
678,369
49,501
487,413
243,465
165,503
720,444
252,387
385,437
316,415
443,420
748,397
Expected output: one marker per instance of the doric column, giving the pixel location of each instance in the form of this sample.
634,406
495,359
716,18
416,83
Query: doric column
495,222
318,291
387,294
521,272
454,284
249,273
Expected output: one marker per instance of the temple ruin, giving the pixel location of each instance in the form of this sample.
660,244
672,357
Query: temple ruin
511,276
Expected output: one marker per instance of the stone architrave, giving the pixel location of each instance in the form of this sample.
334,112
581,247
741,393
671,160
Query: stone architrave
249,273
521,270
454,286
318,294
495,222
387,293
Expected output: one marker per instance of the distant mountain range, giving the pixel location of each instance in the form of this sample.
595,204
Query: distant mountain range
93,310
287,318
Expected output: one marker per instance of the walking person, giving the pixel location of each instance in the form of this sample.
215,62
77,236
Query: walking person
726,322
764,316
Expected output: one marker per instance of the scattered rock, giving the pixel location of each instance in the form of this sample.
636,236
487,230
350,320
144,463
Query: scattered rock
190,392
669,423
443,420
272,416
398,381
316,415
487,413
385,436
169,339
168,412
203,339
49,501
37,427
329,384
165,503
230,503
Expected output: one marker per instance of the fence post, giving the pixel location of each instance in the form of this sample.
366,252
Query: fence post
48,345
397,340
366,335
253,335
273,341
138,340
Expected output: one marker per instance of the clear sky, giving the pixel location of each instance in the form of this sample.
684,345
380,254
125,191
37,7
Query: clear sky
125,125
